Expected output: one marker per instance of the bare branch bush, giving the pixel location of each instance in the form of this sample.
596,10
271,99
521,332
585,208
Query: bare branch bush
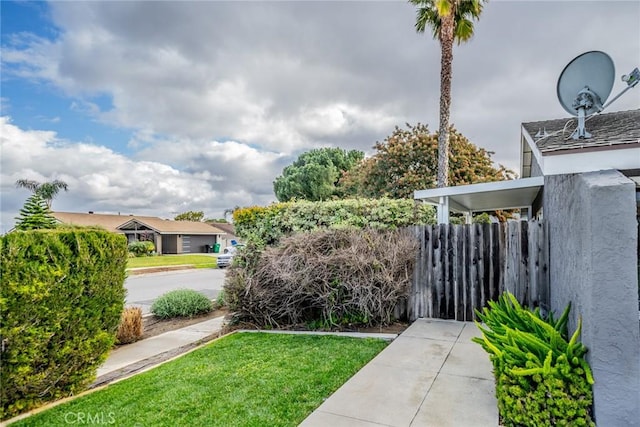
336,276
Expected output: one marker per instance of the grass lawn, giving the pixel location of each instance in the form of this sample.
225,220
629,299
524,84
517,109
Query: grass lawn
244,379
200,261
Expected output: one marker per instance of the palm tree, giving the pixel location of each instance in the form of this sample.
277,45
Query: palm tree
450,20
46,190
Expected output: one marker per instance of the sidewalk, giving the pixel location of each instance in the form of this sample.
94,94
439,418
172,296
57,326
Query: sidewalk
139,355
432,375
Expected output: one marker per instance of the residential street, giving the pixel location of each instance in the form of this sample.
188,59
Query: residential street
142,290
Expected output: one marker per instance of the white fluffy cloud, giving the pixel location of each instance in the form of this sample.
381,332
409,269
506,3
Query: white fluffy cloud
213,176
220,96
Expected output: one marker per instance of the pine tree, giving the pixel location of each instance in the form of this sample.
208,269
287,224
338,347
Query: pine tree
35,214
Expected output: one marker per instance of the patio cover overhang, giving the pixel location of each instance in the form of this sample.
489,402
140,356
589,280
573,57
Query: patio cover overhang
489,196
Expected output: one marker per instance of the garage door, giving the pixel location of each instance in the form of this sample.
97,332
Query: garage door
186,244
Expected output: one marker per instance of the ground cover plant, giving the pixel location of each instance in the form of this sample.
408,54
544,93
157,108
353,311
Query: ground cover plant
181,303
198,261
542,377
244,379
325,277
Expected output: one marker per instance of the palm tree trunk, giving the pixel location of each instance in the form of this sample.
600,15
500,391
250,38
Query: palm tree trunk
446,60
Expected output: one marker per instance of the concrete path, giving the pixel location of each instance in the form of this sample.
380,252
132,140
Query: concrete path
133,353
431,375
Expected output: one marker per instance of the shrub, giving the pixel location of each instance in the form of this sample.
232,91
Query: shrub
61,298
269,224
130,327
330,277
142,248
542,379
181,303
220,301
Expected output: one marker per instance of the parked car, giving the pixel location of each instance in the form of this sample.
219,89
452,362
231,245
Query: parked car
226,257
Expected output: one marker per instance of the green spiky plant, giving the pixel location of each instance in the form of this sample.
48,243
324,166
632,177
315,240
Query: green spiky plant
542,377
35,215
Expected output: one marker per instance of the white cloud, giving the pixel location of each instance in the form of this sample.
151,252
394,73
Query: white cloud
220,96
214,176
222,69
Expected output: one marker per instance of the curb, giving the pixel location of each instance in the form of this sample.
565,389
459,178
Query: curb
148,270
382,336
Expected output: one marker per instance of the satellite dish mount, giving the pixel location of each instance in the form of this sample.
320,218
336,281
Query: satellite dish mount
586,100
584,85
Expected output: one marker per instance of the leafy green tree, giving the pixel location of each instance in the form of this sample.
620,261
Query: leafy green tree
450,20
47,190
315,174
35,214
216,220
196,216
407,161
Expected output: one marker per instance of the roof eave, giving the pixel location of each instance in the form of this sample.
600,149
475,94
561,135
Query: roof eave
489,196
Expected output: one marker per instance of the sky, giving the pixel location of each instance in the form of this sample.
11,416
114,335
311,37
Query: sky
156,108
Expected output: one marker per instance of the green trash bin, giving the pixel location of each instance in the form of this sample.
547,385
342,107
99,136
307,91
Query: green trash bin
216,248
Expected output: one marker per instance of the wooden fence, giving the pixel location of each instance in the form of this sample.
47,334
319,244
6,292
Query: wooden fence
460,267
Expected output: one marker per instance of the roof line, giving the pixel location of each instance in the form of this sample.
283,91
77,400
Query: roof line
513,184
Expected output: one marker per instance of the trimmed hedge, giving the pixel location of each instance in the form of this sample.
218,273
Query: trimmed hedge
61,299
268,224
542,378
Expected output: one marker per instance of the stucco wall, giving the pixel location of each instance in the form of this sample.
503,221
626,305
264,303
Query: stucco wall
593,263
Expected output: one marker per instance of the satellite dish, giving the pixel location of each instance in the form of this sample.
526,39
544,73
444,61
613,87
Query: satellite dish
584,85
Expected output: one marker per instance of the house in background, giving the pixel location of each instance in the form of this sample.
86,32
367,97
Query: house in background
169,237
229,238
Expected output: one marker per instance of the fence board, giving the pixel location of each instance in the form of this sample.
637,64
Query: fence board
450,290
467,259
461,267
458,267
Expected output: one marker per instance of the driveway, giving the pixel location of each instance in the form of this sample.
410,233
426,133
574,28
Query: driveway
143,289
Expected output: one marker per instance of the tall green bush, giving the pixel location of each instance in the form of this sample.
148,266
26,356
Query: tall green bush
61,298
542,378
270,223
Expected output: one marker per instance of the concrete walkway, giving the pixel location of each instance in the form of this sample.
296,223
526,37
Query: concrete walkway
431,375
139,351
